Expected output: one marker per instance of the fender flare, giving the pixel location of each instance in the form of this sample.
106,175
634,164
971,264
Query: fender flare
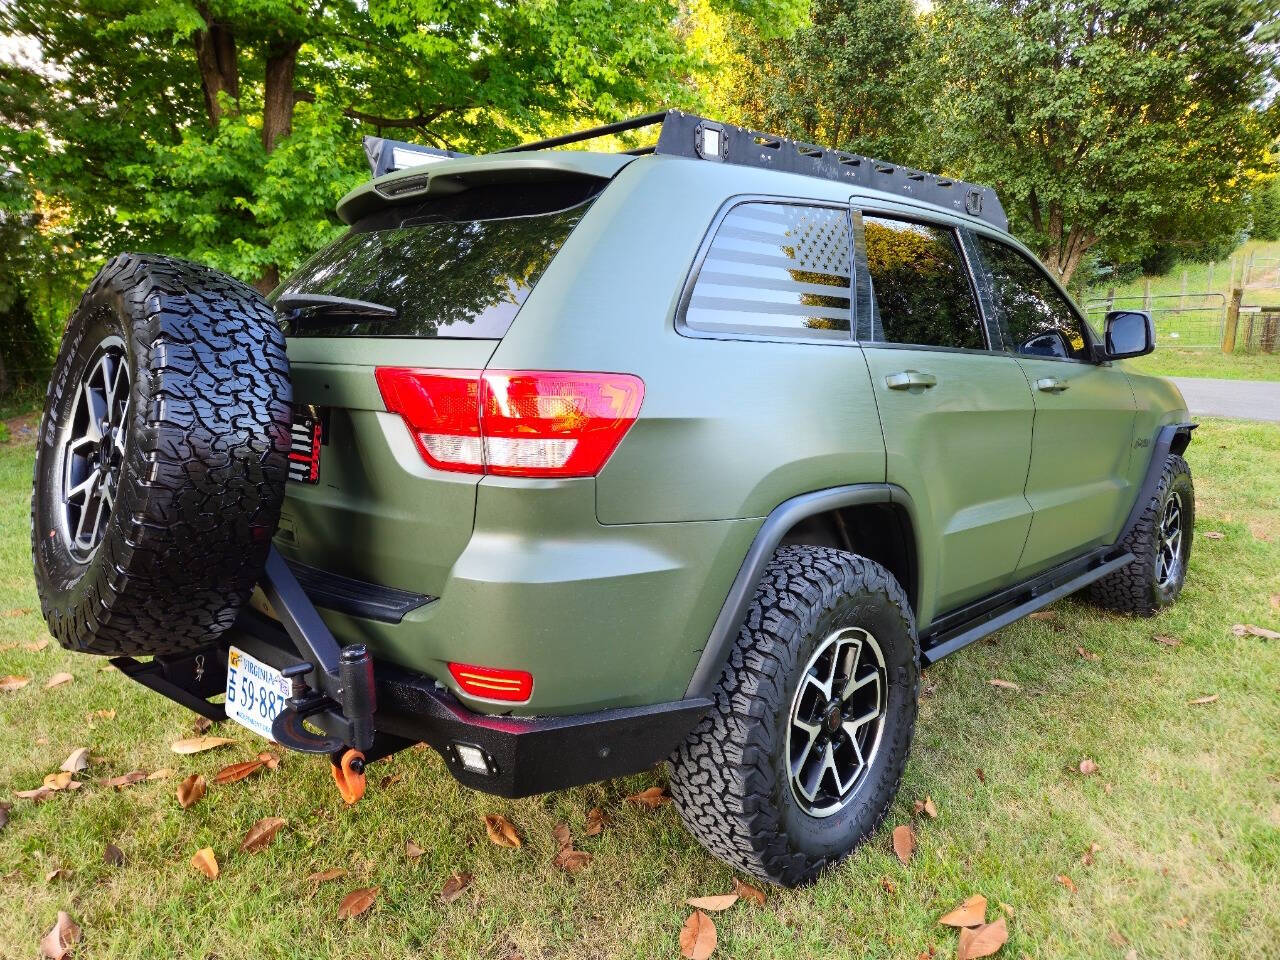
781,519
1171,438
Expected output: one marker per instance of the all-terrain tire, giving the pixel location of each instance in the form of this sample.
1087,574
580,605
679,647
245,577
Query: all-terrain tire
195,468
730,778
1136,587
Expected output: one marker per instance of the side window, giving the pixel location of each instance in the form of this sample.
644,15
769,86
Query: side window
1036,319
776,269
920,289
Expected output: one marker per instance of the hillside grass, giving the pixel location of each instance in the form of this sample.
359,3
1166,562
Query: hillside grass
1185,808
1172,360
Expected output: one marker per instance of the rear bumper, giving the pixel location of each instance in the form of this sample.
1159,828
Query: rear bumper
523,755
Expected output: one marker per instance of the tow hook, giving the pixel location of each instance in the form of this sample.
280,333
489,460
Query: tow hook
348,773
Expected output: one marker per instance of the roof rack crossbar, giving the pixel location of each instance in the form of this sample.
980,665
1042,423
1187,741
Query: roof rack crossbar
634,123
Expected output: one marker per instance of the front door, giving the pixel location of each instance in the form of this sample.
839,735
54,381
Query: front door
956,415
1078,484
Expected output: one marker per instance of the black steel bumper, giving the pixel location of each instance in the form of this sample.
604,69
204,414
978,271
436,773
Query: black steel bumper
523,756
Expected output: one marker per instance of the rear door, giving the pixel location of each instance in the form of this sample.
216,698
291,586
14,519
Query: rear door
455,270
956,414
1078,483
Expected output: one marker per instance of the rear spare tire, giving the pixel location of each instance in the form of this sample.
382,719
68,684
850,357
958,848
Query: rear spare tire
161,461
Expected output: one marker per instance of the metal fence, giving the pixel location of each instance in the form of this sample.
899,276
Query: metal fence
1186,320
1262,272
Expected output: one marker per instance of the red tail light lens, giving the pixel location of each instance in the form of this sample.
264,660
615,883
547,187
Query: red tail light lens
516,423
491,683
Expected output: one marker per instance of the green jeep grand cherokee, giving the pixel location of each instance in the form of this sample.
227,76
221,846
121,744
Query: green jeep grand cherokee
579,461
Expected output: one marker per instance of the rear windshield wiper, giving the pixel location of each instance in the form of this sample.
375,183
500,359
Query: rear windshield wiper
322,307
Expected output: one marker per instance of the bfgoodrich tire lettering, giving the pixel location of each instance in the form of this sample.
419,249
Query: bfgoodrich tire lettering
1144,586
730,779
201,456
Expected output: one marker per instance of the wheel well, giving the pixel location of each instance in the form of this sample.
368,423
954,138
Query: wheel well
881,532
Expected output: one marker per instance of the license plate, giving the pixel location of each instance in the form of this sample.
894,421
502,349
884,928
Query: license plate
256,692
305,440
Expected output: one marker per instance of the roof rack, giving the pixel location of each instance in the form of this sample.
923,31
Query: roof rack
687,135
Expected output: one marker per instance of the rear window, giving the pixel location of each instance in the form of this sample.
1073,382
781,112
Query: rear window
458,266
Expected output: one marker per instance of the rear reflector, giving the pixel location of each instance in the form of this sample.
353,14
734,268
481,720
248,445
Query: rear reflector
515,686
515,423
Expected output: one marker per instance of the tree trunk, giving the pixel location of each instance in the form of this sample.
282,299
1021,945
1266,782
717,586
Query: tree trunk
268,281
219,66
277,108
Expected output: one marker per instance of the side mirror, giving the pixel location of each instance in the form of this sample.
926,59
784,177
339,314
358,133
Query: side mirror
1130,333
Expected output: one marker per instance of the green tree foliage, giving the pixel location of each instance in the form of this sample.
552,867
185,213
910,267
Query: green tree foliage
1105,123
226,130
852,79
1264,211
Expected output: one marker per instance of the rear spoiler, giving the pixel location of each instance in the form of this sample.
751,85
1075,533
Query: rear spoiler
387,156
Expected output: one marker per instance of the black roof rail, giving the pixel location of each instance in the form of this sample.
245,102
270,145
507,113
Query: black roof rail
688,135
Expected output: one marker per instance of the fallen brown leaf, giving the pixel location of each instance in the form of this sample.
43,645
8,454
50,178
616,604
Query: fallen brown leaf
697,937
454,886
112,855
261,834
105,714
199,744
4,814
15,612
324,876
357,902
1087,858
60,873
1201,701
1003,684
563,839
125,779
164,773
1087,766
982,777
237,771
714,904
270,759
61,781
926,807
1086,654
571,860
412,850
982,941
888,886
1166,641
1008,910
201,724
652,798
58,679
10,683
747,892
971,913
206,862
1250,629
190,790
1063,879
1042,615
904,843
37,646
58,942
37,795
595,822
1213,535
501,830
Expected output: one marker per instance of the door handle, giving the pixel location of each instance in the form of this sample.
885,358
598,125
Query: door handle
910,378
1051,385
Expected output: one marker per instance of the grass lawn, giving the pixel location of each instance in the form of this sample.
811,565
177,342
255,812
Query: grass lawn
1185,808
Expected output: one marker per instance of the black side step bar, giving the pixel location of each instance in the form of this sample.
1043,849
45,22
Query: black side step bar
961,628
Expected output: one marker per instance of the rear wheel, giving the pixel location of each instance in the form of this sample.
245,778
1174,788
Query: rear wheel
1161,546
803,752
161,461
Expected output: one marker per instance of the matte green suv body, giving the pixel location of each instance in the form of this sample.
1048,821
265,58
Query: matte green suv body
872,429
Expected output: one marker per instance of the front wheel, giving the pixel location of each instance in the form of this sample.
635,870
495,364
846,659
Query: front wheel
802,753
1161,546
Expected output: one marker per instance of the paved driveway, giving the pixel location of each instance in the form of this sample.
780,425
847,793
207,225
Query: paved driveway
1245,399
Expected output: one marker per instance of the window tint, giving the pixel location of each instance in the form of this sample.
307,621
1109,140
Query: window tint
777,269
1035,318
453,267
920,290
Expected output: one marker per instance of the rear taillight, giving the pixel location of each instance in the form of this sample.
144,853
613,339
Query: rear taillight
515,423
491,683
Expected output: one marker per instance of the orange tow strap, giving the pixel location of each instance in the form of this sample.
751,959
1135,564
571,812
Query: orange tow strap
350,781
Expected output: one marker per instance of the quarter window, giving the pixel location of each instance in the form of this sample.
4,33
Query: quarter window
1035,318
920,290
776,269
